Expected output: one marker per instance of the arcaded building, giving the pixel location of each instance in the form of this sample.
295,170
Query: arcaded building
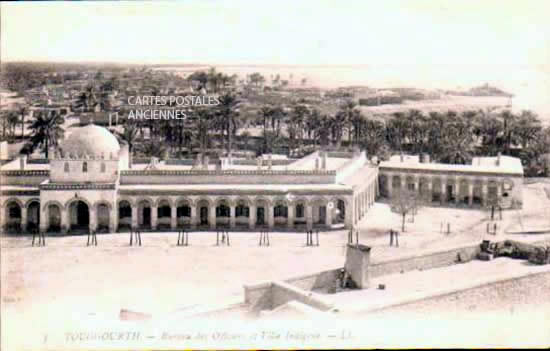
90,184
487,181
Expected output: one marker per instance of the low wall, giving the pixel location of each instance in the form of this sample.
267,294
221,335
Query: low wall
265,163
259,296
325,279
314,281
41,161
24,177
270,295
427,261
283,292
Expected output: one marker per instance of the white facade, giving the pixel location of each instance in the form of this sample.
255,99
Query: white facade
89,186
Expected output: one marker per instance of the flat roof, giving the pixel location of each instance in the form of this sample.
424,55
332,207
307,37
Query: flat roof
507,165
165,167
15,165
360,176
279,188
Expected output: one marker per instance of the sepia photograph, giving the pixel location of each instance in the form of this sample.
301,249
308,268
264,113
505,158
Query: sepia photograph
309,174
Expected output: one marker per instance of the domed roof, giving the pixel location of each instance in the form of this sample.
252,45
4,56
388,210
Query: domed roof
91,140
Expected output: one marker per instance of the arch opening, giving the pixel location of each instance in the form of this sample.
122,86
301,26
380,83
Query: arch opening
79,216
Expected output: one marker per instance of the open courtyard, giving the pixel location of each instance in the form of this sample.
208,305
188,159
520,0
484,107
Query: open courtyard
67,278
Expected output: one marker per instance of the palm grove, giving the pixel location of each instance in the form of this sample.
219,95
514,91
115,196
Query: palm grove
295,128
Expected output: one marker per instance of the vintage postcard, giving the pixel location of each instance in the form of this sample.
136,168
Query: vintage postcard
274,174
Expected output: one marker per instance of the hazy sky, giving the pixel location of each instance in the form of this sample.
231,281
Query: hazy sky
422,43
288,32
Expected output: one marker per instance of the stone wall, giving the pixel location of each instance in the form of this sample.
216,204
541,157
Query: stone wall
76,174
425,261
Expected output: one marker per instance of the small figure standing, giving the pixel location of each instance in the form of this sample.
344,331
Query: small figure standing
394,236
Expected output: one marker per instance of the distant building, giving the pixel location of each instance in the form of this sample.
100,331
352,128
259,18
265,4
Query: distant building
488,180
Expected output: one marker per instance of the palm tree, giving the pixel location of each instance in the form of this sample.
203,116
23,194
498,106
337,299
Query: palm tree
87,100
46,131
528,128
509,121
296,123
12,119
227,115
204,122
129,136
278,115
312,125
266,113
323,129
417,131
155,148
4,117
356,121
374,137
346,115
492,131
22,111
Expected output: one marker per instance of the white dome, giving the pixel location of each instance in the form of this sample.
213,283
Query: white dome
91,140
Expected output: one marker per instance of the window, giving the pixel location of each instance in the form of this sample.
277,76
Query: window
84,167
102,167
66,167
299,211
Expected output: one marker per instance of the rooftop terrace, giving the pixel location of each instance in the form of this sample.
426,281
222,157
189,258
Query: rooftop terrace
499,164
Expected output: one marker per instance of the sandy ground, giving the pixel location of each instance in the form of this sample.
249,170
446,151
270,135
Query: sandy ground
68,280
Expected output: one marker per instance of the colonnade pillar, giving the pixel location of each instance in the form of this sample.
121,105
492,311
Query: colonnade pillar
270,216
135,217
470,194
291,215
154,217
193,216
24,219
328,219
212,217
232,215
93,218
309,216
484,191
252,216
173,217
65,220
443,191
